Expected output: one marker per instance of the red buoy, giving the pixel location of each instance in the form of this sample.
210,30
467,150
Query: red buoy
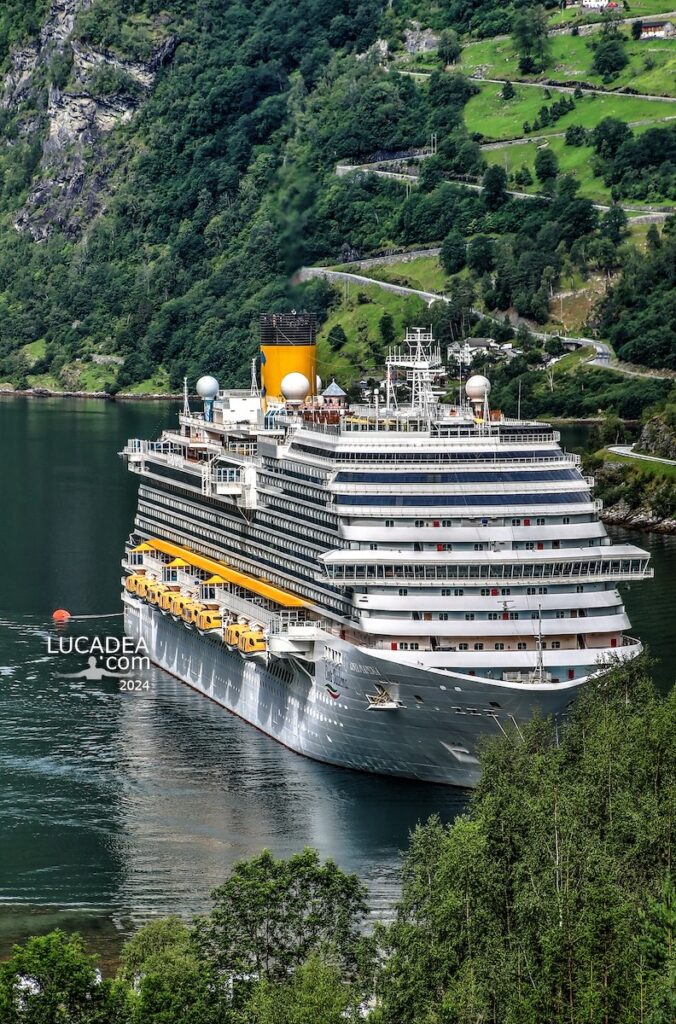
60,615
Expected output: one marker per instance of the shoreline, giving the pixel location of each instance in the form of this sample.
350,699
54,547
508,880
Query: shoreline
639,521
103,396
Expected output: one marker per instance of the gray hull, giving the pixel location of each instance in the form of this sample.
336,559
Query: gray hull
322,710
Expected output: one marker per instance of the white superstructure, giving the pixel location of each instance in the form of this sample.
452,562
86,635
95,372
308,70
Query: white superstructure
378,558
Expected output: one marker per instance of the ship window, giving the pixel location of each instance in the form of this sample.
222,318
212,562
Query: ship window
566,520
540,522
458,593
446,592
516,522
463,647
560,615
505,590
579,588
500,647
493,616
469,616
556,644
389,522
443,616
521,646
513,615
478,647
403,591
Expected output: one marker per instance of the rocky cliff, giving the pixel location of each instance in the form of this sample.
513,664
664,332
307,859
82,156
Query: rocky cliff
658,438
68,96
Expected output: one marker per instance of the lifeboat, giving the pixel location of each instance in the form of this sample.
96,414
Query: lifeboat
131,583
191,612
233,632
209,619
143,586
178,603
252,642
166,598
155,592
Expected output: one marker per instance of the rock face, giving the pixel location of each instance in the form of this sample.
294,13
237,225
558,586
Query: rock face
658,438
72,121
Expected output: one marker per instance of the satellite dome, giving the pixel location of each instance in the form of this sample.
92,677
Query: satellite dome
295,387
477,388
207,388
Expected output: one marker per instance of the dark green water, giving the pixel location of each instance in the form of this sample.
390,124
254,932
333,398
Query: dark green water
117,807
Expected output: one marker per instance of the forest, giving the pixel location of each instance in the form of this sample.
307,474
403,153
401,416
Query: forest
551,899
222,184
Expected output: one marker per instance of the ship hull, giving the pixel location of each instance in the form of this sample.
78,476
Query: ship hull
322,711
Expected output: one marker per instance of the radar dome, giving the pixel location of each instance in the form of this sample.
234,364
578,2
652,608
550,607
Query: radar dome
207,388
295,387
477,388
318,384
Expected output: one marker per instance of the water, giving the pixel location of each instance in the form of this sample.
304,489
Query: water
115,807
118,807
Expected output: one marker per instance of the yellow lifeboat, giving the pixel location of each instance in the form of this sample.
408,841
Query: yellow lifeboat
191,611
251,642
131,583
143,586
234,631
166,598
155,592
208,619
178,603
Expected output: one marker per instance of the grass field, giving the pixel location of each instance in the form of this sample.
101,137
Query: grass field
574,160
637,9
571,360
571,60
494,118
360,321
425,274
646,468
34,350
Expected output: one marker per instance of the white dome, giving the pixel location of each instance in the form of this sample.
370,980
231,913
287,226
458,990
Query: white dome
318,384
207,388
295,387
477,387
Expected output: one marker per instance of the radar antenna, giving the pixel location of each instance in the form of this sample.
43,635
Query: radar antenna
186,403
255,389
419,356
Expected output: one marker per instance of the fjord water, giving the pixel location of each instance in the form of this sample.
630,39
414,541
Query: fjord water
115,807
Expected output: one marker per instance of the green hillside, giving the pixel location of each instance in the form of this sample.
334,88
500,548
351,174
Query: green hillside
161,235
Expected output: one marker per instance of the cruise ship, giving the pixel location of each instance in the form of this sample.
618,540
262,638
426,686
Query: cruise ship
377,586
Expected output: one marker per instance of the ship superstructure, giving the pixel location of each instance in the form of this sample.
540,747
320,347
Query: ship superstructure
375,585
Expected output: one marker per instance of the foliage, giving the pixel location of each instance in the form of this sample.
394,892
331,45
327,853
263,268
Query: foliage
52,979
609,57
546,165
453,255
316,994
529,31
639,312
532,907
271,915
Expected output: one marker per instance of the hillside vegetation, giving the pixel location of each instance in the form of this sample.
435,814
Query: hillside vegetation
162,238
551,899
